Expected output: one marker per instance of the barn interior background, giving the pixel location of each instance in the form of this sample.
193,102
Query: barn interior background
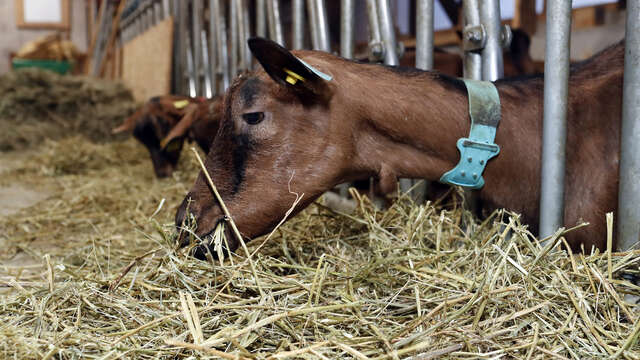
88,264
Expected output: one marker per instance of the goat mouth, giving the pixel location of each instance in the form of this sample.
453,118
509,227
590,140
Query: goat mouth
218,243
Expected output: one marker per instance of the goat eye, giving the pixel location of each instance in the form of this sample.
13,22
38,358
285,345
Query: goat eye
253,118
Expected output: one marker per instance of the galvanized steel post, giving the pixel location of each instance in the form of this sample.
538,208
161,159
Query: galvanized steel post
472,60
233,35
243,33
554,127
629,192
196,13
261,18
347,23
387,31
275,26
323,26
213,49
424,34
297,10
313,24
376,49
492,65
221,40
206,65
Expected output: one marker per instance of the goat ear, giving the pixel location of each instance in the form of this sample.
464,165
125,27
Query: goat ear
285,68
182,127
128,124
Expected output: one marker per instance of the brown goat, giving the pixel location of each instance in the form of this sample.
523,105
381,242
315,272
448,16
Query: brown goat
164,122
282,136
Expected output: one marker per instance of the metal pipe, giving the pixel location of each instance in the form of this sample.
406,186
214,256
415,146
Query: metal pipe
492,65
323,26
472,60
243,33
233,36
376,50
261,19
196,12
424,34
221,40
629,193
208,88
166,9
347,24
313,24
191,70
275,26
213,48
387,31
297,11
554,126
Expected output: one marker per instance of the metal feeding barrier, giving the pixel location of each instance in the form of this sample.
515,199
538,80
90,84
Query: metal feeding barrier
210,49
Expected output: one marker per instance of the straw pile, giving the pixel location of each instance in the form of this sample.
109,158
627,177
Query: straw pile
38,104
412,281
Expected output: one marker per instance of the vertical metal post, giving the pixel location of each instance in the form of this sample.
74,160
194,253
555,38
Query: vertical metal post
297,10
275,26
376,50
206,65
233,35
323,26
347,23
387,31
190,69
221,40
554,127
243,33
196,13
424,34
629,192
313,24
213,48
472,60
261,18
492,65
166,9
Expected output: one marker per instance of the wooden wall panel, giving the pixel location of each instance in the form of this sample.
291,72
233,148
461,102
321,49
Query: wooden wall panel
146,61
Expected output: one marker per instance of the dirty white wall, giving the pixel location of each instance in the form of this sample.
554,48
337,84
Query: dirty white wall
12,38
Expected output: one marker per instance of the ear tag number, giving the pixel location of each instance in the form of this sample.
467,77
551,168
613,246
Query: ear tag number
180,104
292,78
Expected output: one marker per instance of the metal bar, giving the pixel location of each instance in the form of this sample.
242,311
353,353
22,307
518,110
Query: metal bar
206,65
191,80
424,34
347,24
221,39
472,60
554,126
387,31
275,26
492,66
213,49
243,33
376,50
233,37
297,10
313,24
196,12
323,26
629,194
261,18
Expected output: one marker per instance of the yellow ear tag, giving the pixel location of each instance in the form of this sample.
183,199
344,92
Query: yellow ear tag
292,78
180,104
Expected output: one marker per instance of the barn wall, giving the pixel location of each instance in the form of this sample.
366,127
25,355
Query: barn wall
13,38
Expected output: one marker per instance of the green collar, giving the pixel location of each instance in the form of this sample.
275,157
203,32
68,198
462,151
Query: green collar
478,148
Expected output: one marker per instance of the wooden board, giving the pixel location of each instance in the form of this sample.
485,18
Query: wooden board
146,61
